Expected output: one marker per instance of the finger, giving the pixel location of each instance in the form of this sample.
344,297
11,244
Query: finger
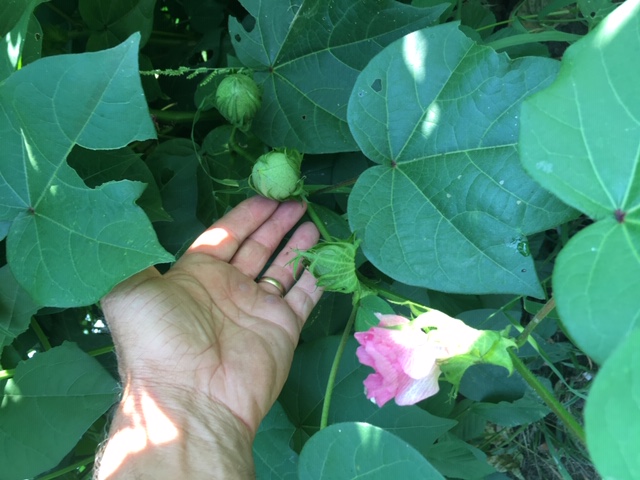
304,296
282,267
256,250
223,238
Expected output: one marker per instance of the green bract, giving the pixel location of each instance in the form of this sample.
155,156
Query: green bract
276,175
238,98
333,265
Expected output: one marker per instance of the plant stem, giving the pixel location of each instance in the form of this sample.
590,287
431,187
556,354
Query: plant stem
101,351
4,374
172,116
233,145
44,341
70,468
535,321
523,17
322,228
556,407
334,368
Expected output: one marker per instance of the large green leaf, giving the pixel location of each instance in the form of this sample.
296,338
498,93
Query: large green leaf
612,413
450,207
592,165
113,21
16,308
68,244
352,451
47,406
307,56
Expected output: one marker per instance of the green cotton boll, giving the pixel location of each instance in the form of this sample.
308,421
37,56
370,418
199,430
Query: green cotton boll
276,175
333,264
238,99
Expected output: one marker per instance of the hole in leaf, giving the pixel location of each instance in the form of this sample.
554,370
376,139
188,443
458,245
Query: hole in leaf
38,37
237,37
377,85
304,117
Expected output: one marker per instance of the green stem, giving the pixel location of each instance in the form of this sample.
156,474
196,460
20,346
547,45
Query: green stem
172,116
535,321
101,351
4,374
70,468
322,228
526,38
524,17
233,145
334,368
556,407
44,341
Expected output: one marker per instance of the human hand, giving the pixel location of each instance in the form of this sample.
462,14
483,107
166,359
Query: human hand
206,330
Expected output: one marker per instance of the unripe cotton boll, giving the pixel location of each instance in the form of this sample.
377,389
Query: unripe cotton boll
276,175
238,99
333,264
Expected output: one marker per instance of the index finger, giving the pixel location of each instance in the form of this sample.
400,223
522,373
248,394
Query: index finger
223,238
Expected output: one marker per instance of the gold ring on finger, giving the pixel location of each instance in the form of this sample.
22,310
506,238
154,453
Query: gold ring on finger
275,283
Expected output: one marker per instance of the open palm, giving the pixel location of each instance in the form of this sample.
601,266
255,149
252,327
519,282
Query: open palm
206,326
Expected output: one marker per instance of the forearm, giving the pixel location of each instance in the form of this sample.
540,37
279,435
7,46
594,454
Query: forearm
160,436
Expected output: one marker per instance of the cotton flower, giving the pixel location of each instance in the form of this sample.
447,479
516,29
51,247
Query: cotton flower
407,356
404,360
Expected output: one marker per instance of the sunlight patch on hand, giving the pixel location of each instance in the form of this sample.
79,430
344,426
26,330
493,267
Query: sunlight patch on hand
211,238
148,426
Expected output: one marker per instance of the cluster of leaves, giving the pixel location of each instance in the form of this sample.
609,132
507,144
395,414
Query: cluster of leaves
465,174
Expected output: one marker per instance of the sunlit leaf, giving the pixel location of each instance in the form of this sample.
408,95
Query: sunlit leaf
593,166
62,232
307,56
449,207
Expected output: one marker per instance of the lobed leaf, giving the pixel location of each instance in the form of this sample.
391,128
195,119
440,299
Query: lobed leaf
114,21
307,55
62,232
449,207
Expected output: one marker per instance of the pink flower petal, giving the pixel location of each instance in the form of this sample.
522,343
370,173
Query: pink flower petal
404,361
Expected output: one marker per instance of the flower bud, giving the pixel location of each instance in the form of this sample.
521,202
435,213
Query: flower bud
333,264
238,98
276,175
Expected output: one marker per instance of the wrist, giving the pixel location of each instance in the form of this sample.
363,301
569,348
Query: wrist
166,434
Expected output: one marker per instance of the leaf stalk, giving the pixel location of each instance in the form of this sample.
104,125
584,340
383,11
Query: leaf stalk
334,367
